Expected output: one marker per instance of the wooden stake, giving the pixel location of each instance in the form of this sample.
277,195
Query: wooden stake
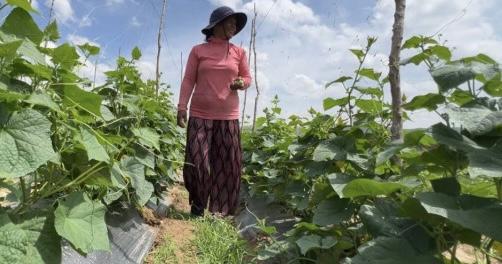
255,71
253,27
394,74
159,46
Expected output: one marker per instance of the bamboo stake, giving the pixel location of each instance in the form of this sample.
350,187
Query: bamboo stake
159,47
255,74
253,28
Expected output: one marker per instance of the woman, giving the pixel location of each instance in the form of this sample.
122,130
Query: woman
215,71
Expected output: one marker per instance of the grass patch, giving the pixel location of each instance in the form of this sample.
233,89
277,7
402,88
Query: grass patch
164,253
217,241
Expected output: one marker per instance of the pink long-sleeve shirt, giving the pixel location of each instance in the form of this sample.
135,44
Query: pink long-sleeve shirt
211,68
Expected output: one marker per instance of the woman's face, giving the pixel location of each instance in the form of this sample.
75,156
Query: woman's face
229,27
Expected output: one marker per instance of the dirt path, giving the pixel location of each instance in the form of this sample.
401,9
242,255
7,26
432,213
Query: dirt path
176,230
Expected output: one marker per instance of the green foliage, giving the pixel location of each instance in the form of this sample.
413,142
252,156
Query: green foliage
357,195
67,149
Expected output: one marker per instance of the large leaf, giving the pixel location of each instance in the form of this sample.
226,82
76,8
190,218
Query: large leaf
87,101
369,187
25,141
21,24
482,215
147,137
329,102
43,99
13,241
95,151
44,243
338,181
390,250
9,50
333,149
369,106
482,161
82,222
306,243
452,75
66,56
24,4
429,101
333,211
384,219
135,171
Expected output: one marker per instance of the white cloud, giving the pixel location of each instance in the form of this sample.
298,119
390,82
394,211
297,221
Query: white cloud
86,21
135,22
302,52
79,40
63,10
114,2
230,3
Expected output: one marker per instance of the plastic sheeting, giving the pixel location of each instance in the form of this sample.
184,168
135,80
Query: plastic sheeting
130,240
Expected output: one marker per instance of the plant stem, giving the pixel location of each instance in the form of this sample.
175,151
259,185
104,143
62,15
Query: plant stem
498,185
23,189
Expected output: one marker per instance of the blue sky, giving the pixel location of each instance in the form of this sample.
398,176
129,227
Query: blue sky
302,44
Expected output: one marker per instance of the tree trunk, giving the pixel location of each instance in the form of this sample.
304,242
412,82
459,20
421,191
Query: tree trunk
255,73
394,75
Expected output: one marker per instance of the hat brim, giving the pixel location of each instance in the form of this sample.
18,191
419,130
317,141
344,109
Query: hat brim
240,18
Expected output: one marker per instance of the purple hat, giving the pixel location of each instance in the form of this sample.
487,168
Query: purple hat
220,14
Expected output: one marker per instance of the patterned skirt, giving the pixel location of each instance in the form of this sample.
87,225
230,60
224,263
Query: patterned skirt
212,169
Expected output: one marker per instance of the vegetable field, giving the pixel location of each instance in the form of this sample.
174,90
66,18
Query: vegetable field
70,150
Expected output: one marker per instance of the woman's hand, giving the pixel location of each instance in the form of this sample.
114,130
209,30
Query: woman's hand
237,84
182,118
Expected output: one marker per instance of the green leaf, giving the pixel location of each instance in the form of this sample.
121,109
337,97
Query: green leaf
135,171
43,99
452,75
384,219
9,96
441,52
306,243
482,215
383,250
329,103
339,80
338,181
25,141
66,56
369,187
95,151
9,50
448,186
478,121
147,137
359,53
461,97
369,106
76,97
333,211
136,53
333,149
51,32
44,243
30,52
388,153
89,49
24,4
429,101
370,74
13,241
413,42
494,86
21,24
82,222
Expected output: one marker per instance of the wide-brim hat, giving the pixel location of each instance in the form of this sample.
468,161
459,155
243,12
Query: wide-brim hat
220,14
